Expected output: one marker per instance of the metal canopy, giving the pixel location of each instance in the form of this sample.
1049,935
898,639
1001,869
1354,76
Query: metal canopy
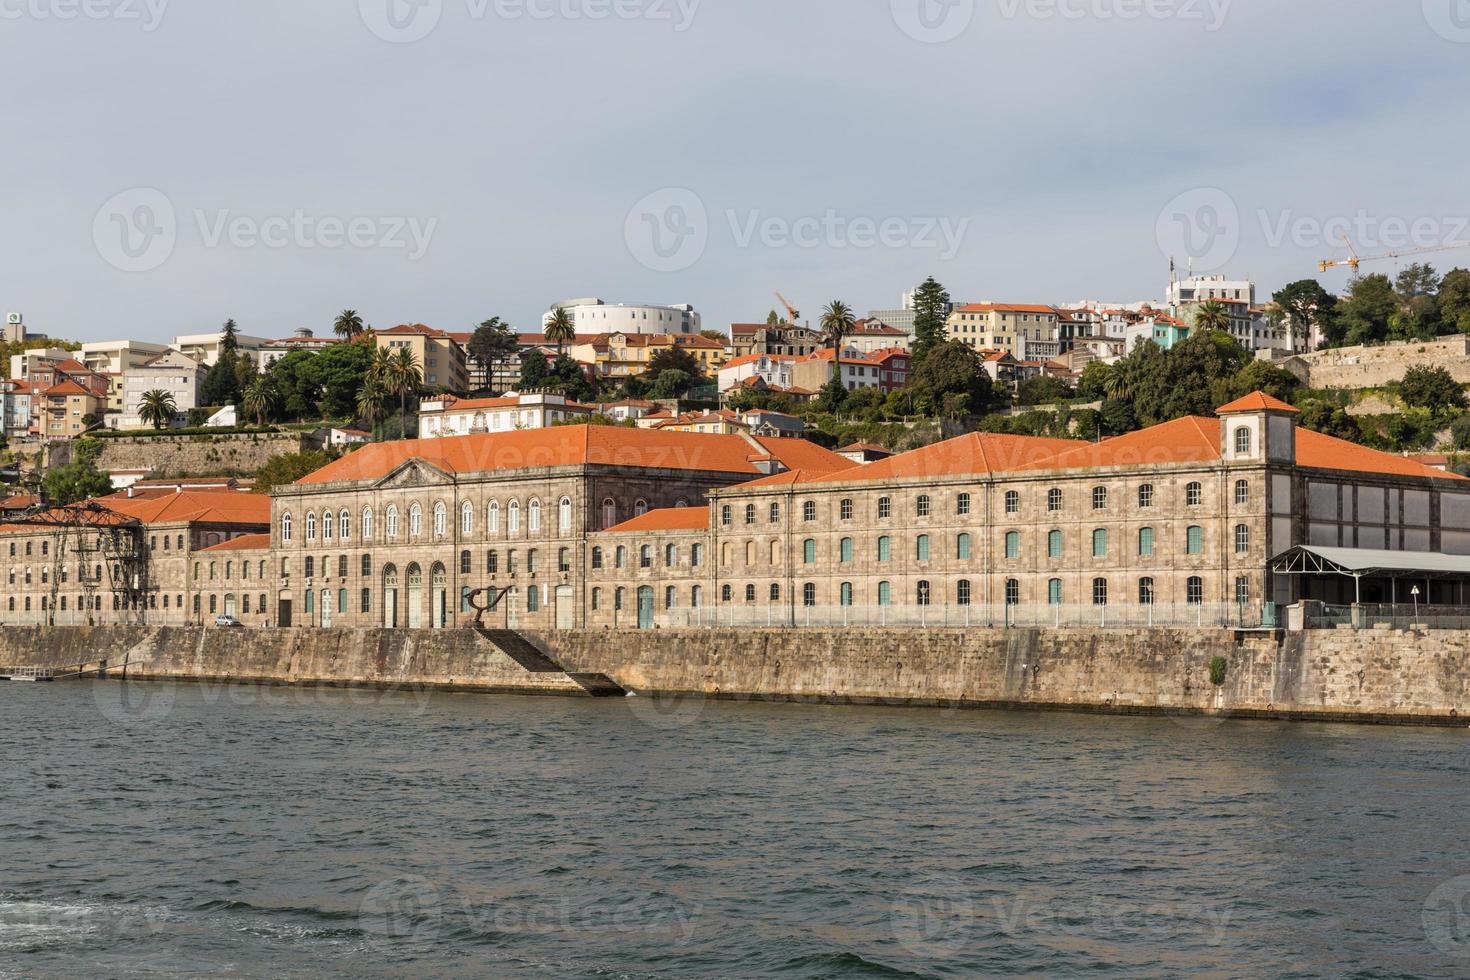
1369,563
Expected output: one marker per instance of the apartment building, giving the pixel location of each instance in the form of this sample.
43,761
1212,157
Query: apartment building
439,355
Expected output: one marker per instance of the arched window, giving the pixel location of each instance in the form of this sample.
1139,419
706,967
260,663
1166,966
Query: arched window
415,521
391,522
1145,592
1194,590
640,507
921,547
749,553
809,551
671,555
1100,543
285,528
464,563
922,593
441,520
1146,495
1145,542
775,512
1013,544
564,559
513,518
809,594
696,597
845,594
1099,498
609,512
1054,592
885,548
1194,494
962,592
750,593
311,527
329,521
596,599
1242,441
1054,499
885,593
492,517
750,513
725,554
620,557
344,525
725,593
1194,540
1242,539
775,592
1013,592
844,551
533,517
809,510
844,509
696,556
670,597
1054,544
1099,592
467,518
923,505
962,547
962,505
367,523
596,557
1013,502
564,515
533,599
645,556
1242,492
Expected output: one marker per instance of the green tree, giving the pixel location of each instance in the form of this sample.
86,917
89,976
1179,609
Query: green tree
674,359
221,385
77,480
372,400
931,314
229,340
1366,312
404,379
347,325
261,400
949,368
1212,315
1307,305
335,374
492,344
559,329
157,408
773,319
289,467
1262,376
1432,388
1042,390
1093,384
1454,300
672,383
533,370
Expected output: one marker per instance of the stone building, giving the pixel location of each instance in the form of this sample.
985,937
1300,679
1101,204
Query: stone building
1177,522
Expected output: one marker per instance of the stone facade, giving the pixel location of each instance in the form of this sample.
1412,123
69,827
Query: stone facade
1376,366
235,454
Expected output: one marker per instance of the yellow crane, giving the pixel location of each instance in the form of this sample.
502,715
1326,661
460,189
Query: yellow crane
1354,259
791,311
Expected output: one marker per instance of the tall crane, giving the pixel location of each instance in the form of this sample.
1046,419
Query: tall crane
1354,259
791,311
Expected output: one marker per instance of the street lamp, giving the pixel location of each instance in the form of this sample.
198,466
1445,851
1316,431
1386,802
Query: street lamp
1415,593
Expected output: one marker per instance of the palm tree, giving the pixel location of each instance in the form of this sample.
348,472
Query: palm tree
347,325
261,399
370,399
157,408
1115,386
559,329
1212,316
837,321
403,379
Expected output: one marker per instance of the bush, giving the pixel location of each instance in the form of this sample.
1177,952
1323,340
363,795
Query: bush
1217,671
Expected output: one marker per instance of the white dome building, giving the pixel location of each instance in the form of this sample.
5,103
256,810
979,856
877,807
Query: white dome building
593,316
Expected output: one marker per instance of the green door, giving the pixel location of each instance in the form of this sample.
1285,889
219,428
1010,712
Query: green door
645,607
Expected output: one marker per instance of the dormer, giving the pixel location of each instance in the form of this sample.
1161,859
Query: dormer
1256,429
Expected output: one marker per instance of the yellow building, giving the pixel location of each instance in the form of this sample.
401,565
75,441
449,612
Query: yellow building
1000,326
624,355
439,355
65,408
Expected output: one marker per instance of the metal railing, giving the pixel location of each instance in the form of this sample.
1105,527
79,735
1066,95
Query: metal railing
1399,615
1227,615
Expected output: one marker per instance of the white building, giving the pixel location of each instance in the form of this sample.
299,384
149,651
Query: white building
174,372
273,350
466,416
774,369
117,356
204,347
23,364
1201,289
593,316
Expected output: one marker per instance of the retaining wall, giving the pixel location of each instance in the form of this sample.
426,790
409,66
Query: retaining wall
1373,675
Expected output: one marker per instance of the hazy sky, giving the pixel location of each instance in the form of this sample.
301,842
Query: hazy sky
171,163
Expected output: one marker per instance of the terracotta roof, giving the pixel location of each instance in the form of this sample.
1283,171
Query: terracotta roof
475,404
245,542
1256,401
205,506
67,387
412,328
753,358
16,503
1318,451
865,447
574,445
1006,308
666,519
974,453
1192,439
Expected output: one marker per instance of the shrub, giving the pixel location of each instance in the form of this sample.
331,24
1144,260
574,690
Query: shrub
1217,671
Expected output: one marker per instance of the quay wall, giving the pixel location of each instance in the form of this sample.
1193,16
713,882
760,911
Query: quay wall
1380,675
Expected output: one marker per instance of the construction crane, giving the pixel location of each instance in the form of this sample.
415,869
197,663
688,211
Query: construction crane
791,311
1354,259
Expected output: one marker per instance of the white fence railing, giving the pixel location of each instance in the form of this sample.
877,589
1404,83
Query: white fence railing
1250,615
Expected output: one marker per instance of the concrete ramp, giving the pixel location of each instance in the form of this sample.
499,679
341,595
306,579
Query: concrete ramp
518,647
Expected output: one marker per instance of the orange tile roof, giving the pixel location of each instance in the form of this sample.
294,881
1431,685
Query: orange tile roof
413,328
1322,452
971,454
1192,439
204,506
15,503
753,358
1256,401
1007,308
67,387
245,542
578,445
666,519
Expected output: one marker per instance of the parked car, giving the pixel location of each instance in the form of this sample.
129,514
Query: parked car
226,621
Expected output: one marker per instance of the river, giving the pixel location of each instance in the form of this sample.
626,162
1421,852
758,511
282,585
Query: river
155,830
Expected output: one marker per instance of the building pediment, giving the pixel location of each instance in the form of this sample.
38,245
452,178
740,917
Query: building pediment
415,473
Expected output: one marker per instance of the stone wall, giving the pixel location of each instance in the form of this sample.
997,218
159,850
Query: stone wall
1374,367
1336,675
235,454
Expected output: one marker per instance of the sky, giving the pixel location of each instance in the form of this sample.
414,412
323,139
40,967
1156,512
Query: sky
173,163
